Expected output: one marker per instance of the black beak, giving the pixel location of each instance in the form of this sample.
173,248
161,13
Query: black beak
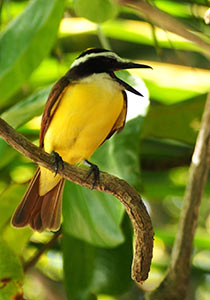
129,65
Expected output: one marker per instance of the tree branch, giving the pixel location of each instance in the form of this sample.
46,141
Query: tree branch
110,184
174,286
31,262
166,22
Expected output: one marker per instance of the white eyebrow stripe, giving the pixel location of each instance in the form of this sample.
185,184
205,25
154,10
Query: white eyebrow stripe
87,56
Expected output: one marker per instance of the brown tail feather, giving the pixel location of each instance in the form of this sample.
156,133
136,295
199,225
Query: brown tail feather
40,212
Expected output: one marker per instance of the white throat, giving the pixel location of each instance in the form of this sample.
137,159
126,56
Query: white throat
104,80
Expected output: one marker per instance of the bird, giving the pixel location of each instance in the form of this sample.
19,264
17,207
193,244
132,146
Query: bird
85,108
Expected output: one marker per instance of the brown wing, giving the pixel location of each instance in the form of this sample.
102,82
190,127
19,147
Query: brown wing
120,123
51,105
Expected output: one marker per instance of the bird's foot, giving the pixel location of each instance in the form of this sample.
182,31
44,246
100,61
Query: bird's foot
96,172
58,161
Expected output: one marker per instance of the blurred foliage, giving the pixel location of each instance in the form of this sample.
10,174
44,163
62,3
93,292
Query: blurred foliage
38,42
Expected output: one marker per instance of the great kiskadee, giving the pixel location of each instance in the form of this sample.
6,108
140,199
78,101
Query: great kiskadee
84,108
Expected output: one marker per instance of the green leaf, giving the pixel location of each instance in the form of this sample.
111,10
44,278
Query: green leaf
11,274
97,11
25,110
112,273
103,270
92,216
25,42
79,263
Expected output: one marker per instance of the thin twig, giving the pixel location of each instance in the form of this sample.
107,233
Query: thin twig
166,22
39,253
108,183
174,286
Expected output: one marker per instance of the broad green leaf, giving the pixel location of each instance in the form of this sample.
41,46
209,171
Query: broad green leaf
97,11
9,199
92,216
25,42
103,270
79,264
25,110
179,121
112,274
11,273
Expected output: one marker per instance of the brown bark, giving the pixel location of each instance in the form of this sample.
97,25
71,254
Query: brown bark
174,286
110,184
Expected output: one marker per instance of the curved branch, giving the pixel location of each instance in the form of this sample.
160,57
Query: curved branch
108,183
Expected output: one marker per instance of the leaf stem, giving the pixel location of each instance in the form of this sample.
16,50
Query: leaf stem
102,38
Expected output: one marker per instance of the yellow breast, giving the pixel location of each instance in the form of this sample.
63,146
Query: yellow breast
82,121
84,117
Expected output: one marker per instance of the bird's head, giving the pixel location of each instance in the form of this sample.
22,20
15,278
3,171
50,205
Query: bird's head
96,60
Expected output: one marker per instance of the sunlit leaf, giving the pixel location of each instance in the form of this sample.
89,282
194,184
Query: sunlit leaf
92,216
